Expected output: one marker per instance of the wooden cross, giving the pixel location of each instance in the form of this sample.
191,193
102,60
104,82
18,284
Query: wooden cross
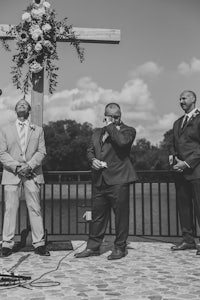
85,35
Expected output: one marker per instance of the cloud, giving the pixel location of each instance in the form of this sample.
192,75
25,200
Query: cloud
86,103
149,68
8,99
188,69
155,131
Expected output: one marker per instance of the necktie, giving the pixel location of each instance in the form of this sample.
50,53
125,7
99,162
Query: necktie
22,137
184,122
104,137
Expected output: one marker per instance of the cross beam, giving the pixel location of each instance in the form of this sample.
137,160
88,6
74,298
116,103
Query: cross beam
85,35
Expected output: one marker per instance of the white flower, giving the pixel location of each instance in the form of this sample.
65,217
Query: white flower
195,113
38,47
62,30
29,48
32,126
35,67
46,27
47,43
38,13
46,4
35,32
26,17
34,27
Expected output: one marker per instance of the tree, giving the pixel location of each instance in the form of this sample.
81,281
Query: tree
66,143
146,156
167,143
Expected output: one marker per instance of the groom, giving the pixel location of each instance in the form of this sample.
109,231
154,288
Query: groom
109,157
22,150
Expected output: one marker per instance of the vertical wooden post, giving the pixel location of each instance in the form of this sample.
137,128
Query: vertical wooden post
37,98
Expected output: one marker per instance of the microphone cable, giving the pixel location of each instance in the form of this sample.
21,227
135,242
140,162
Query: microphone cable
49,283
13,283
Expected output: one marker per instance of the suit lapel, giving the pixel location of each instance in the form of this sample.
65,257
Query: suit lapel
16,135
102,132
28,135
180,130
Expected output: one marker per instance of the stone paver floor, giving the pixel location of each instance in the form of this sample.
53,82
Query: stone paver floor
149,271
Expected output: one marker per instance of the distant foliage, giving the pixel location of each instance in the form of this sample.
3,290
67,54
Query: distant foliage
146,156
67,143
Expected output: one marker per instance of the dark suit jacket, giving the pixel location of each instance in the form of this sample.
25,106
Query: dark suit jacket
187,145
115,152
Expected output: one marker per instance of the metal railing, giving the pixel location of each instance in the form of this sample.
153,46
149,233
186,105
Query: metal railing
66,195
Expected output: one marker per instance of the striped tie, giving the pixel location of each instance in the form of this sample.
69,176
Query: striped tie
22,137
184,122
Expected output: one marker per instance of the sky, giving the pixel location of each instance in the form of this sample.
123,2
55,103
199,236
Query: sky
157,58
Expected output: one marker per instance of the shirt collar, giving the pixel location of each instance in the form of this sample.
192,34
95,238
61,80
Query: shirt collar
26,122
190,113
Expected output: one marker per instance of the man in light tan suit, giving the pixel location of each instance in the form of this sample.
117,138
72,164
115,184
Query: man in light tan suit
22,150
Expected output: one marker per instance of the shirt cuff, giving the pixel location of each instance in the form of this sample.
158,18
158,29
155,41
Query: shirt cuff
187,164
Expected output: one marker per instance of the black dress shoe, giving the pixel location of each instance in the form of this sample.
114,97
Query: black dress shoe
183,246
42,250
198,249
6,251
87,253
117,254
198,252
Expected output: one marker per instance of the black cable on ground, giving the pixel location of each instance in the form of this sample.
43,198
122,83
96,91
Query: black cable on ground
51,283
33,283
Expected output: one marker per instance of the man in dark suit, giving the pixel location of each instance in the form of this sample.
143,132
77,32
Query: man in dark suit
108,155
186,134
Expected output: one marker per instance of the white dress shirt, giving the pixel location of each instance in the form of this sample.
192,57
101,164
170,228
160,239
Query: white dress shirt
26,125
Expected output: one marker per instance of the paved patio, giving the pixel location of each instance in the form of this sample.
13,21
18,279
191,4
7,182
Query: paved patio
150,271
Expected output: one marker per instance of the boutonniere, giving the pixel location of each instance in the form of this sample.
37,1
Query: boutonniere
32,126
195,113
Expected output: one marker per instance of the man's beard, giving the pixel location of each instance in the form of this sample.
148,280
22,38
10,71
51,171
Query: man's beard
23,114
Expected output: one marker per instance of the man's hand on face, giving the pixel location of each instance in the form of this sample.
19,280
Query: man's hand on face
112,120
108,120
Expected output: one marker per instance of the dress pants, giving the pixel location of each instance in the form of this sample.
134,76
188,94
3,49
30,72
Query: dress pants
105,198
32,196
188,200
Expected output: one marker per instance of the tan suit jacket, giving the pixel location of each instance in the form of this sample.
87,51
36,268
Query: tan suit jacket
11,153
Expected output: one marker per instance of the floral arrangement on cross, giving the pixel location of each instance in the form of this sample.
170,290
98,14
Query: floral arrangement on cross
36,45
